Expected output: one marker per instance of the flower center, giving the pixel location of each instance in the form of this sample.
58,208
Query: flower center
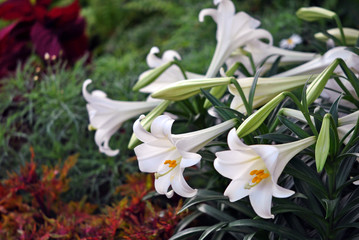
258,176
171,164
290,41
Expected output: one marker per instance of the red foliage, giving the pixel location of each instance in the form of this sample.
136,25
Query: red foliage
59,32
31,208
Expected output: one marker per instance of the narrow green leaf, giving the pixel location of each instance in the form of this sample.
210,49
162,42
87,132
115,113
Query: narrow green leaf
225,115
189,232
274,69
187,220
265,225
215,213
350,75
253,89
293,127
212,229
202,196
281,138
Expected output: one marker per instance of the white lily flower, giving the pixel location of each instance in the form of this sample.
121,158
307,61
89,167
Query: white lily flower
171,75
233,31
319,64
255,170
167,154
261,50
290,42
107,115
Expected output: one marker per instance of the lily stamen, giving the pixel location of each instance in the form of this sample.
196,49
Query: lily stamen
171,164
259,176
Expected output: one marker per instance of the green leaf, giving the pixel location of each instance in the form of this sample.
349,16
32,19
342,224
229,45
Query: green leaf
212,229
187,220
300,170
215,213
293,127
189,232
330,206
219,106
277,137
334,109
274,69
249,236
240,206
202,196
350,75
253,89
265,225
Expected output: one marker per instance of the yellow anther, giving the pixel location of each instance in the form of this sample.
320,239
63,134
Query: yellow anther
171,163
264,175
259,176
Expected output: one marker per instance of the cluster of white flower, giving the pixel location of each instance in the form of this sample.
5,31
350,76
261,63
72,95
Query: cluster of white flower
253,169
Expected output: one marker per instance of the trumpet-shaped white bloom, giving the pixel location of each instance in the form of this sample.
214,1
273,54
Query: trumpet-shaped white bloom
260,50
233,31
255,170
319,64
172,74
290,42
107,115
167,154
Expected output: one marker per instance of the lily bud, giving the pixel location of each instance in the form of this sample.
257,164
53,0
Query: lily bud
323,143
187,88
351,35
150,76
257,118
318,84
311,14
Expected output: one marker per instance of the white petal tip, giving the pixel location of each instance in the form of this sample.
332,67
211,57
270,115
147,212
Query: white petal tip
109,152
169,194
154,50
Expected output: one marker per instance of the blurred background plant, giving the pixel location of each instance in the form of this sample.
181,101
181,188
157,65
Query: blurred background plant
41,103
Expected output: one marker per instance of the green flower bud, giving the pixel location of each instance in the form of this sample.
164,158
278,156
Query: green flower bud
311,14
323,144
150,76
257,118
318,84
187,88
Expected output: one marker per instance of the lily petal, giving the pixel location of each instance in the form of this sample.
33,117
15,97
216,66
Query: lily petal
261,199
180,186
281,192
236,191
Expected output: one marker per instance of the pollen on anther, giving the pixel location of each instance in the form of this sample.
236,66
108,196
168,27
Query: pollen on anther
253,172
171,163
